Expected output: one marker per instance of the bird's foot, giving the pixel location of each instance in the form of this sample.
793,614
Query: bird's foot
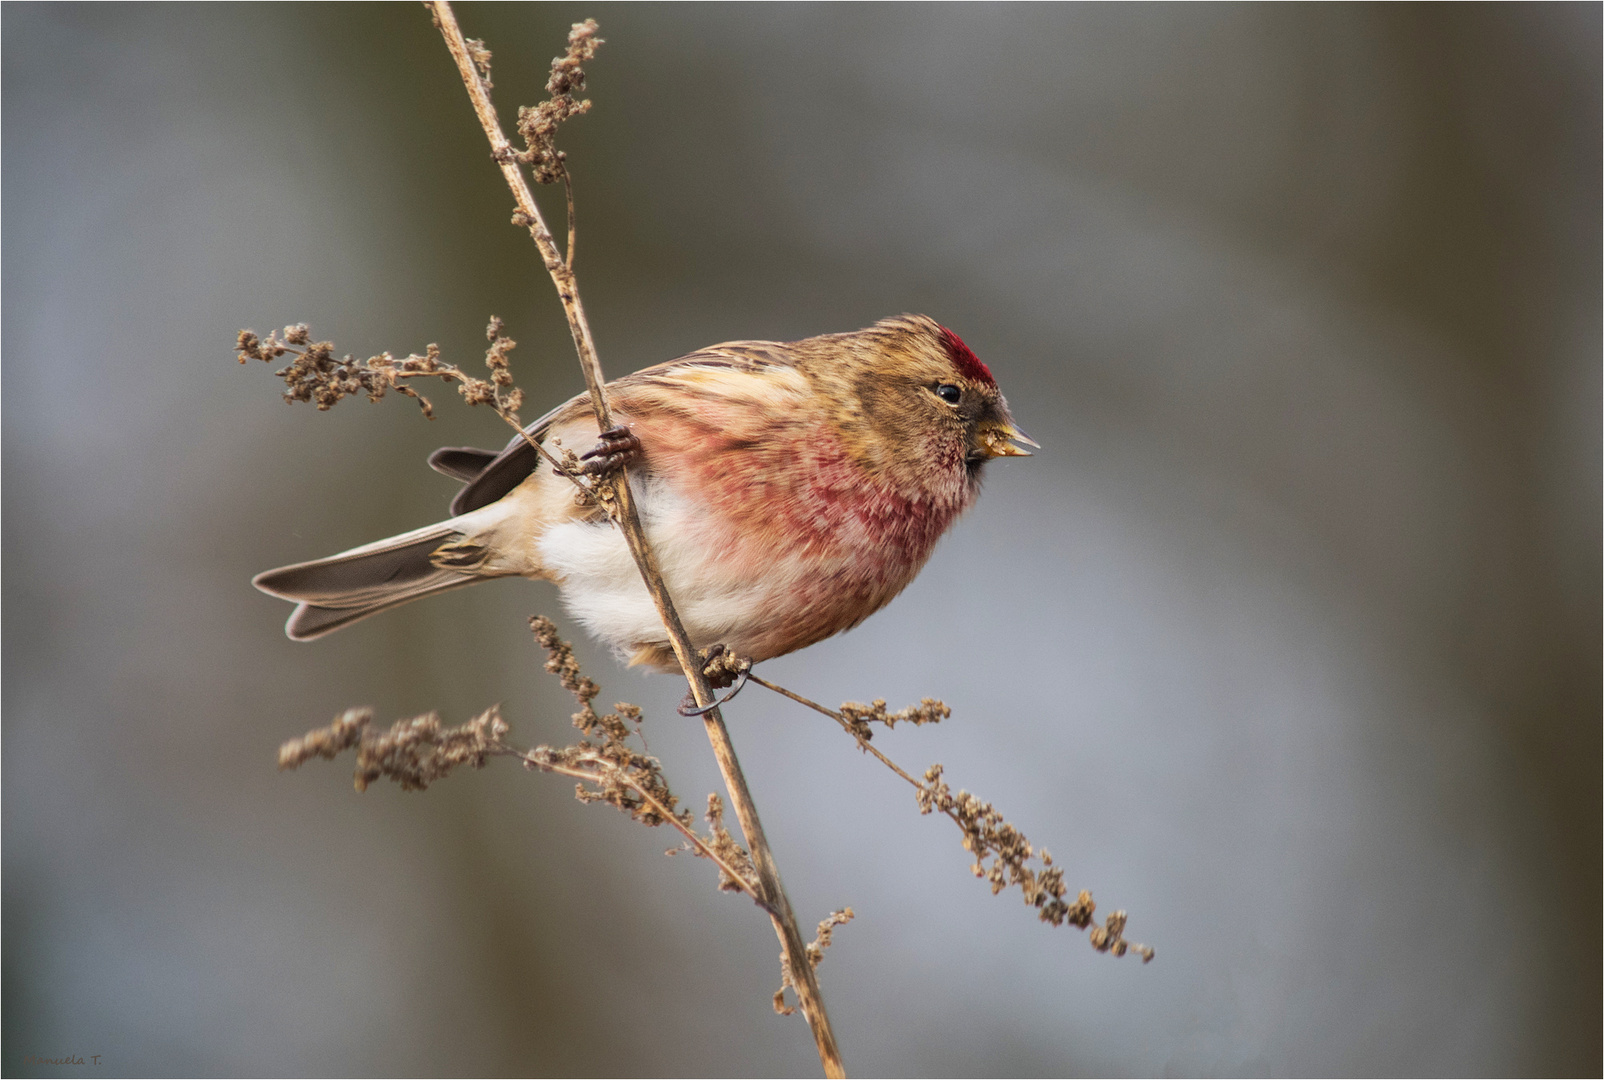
616,448
721,668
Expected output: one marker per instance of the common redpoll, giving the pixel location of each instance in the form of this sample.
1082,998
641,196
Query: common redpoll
789,491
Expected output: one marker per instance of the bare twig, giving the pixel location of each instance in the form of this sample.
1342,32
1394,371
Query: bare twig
417,752
614,763
562,275
317,375
591,767
816,949
986,834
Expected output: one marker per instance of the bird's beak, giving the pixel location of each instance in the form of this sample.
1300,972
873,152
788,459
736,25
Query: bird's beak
997,440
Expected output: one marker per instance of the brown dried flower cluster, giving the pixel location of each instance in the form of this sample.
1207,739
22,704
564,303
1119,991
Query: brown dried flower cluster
538,125
613,772
319,376
859,717
618,775
417,752
725,846
414,753
986,834
326,742
826,930
506,397
815,951
480,54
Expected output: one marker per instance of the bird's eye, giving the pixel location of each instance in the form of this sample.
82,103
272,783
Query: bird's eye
949,393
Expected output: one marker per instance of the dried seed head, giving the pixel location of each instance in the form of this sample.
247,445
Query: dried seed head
414,753
481,60
326,742
538,125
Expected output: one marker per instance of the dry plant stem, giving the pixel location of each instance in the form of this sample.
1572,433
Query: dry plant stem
418,752
662,811
562,275
863,744
986,834
452,372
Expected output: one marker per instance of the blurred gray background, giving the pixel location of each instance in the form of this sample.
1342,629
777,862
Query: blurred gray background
1287,642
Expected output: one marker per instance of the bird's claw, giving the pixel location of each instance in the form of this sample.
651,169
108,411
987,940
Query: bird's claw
615,448
721,668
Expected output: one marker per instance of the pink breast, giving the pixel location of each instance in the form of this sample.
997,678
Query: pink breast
793,511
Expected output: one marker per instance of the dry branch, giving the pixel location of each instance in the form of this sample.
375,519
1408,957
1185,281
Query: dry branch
582,42
986,835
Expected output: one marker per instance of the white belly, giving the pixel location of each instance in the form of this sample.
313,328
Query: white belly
602,588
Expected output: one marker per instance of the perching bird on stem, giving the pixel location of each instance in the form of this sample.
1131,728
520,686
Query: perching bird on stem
789,490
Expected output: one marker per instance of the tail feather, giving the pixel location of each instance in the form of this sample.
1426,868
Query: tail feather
337,591
463,463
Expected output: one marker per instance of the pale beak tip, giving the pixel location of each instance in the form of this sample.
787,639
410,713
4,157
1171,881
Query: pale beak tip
1014,435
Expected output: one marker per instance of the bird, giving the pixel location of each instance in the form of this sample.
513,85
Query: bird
788,489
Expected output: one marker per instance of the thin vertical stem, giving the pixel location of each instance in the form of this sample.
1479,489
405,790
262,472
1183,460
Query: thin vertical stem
778,905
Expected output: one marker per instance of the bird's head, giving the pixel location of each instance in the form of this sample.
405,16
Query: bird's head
916,404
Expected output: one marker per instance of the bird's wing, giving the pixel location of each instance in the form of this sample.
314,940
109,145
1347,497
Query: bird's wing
461,462
743,373
501,472
735,390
